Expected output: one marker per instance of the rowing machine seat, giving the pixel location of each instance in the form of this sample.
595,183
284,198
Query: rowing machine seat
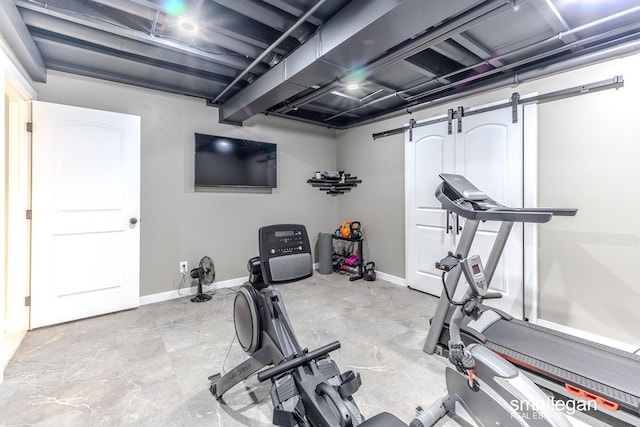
383,419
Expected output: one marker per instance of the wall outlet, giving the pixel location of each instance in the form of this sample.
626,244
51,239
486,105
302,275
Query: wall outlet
184,266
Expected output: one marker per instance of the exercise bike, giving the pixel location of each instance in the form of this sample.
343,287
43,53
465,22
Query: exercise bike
307,388
483,388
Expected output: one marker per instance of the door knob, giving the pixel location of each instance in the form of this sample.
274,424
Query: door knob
133,221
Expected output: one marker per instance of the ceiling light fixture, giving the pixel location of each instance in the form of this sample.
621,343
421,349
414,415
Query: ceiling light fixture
353,86
187,25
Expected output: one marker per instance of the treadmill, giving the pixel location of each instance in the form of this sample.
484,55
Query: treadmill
570,366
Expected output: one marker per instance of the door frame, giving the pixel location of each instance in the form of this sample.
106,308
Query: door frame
530,194
15,265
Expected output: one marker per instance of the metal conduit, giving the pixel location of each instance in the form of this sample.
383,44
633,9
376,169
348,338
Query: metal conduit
602,55
524,49
525,61
268,50
456,26
532,46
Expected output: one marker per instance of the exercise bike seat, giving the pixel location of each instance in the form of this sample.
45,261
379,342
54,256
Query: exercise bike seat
383,419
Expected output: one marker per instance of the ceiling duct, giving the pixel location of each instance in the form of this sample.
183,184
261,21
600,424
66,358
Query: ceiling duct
353,38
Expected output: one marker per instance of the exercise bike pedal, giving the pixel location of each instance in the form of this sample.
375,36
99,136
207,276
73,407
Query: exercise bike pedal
214,380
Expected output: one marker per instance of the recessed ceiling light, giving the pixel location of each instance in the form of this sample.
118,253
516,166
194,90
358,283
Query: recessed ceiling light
353,86
187,25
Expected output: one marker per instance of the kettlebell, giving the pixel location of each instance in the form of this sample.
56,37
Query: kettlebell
356,230
369,271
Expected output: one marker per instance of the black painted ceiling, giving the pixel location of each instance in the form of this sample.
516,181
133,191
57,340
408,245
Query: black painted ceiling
297,58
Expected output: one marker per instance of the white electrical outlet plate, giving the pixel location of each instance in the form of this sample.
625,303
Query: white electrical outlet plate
184,266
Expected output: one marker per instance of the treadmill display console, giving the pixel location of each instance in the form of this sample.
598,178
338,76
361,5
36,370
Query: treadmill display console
463,187
474,273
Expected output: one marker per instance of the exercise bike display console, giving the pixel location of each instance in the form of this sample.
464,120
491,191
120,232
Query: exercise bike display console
307,388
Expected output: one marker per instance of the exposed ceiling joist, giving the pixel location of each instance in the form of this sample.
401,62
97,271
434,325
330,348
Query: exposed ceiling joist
355,36
293,8
17,36
335,63
39,18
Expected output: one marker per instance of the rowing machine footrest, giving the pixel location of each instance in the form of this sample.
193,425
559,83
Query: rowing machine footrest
327,367
285,388
212,388
284,418
350,383
290,412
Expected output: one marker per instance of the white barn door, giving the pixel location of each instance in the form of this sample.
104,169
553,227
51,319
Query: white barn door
427,238
488,152
86,206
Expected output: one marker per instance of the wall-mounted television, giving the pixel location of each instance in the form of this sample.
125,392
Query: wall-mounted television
221,161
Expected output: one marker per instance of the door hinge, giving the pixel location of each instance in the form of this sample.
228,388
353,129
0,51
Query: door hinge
29,126
28,213
27,301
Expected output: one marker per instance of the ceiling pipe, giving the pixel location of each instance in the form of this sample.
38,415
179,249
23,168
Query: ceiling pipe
292,9
524,49
130,7
527,61
516,79
485,11
358,34
270,48
35,14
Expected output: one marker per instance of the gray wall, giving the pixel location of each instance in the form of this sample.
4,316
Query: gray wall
589,154
181,224
586,263
378,203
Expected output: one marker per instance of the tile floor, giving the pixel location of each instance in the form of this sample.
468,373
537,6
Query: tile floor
149,366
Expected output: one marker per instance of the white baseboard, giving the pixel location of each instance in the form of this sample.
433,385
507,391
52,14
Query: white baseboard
169,295
589,336
392,279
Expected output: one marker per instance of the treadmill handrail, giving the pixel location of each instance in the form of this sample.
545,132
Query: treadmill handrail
496,211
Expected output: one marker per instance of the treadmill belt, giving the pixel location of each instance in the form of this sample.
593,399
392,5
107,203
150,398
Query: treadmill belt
614,368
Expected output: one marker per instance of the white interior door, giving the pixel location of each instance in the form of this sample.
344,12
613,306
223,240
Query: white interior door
488,152
426,235
85,201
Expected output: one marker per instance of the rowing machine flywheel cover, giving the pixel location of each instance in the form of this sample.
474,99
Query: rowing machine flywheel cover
247,317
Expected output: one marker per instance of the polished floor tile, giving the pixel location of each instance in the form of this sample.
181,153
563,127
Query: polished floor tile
150,366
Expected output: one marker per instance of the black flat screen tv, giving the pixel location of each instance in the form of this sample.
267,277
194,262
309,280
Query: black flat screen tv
221,161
